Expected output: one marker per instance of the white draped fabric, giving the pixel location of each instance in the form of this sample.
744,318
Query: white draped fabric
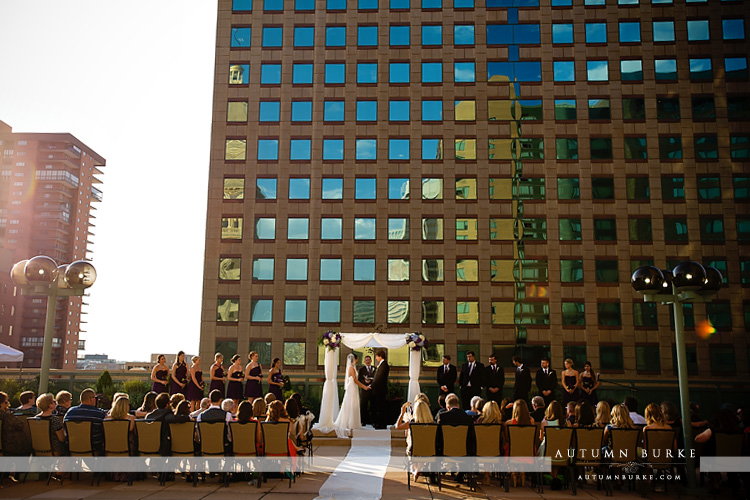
329,403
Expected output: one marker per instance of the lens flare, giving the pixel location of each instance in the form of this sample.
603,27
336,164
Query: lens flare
705,329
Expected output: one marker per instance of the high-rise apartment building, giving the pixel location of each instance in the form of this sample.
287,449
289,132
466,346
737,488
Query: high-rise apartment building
47,191
489,173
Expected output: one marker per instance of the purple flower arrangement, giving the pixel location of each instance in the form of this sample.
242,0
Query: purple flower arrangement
330,339
416,341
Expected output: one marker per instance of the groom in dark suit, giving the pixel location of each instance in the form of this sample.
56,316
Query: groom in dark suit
379,391
365,376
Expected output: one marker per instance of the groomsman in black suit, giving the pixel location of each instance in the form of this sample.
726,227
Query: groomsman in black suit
446,377
494,379
546,381
523,380
470,380
365,375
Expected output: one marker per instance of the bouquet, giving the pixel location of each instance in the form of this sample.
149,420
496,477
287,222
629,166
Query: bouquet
416,341
330,339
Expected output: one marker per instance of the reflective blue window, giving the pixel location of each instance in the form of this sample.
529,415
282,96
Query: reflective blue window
333,188
596,32
329,311
432,4
463,34
336,36
432,149
631,70
663,31
367,36
665,69
630,32
735,68
299,188
594,2
268,149
265,228
241,37
261,310
299,149
271,5
697,30
463,4
399,4
302,73
242,5
398,188
333,149
367,111
263,269
335,4
399,36
272,37
398,72
521,34
364,269
398,111
295,311
564,71
512,3
333,111
464,72
365,188
304,5
733,29
366,149
335,73
364,228
269,111
432,35
270,74
304,36
562,3
562,33
298,228
432,72
367,4
265,188
700,69
301,111
367,72
330,228
527,71
398,149
432,111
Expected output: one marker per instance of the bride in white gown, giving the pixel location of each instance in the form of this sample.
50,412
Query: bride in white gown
349,417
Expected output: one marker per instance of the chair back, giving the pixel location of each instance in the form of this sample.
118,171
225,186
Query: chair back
182,438
1,439
625,445
728,445
423,439
149,437
557,442
275,438
243,438
116,433
589,445
40,441
488,439
454,440
521,439
212,438
656,442
79,438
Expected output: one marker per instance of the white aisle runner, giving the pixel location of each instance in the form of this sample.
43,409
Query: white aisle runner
360,475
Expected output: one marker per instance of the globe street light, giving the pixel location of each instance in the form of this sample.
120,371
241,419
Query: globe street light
41,276
687,282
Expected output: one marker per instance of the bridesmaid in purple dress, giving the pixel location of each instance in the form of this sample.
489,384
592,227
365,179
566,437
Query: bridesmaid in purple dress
179,375
218,377
235,374
253,378
160,375
276,379
196,385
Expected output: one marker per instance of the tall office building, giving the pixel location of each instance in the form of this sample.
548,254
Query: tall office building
489,173
47,191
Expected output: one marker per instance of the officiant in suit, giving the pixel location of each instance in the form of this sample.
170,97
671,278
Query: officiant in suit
470,380
365,375
546,381
494,379
380,391
446,377
523,380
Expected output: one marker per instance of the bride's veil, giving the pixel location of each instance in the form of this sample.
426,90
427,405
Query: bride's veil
349,362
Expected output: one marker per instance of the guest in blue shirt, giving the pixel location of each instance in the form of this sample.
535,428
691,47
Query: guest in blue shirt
87,411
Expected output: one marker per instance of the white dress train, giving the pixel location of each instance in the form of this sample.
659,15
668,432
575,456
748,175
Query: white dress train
349,417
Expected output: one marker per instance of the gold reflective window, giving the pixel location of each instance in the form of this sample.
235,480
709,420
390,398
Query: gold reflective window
229,268
501,189
433,270
466,189
500,110
398,311
228,310
432,189
237,111
501,270
467,270
433,355
398,269
503,229
234,189
294,353
466,149
466,111
501,149
531,313
432,229
433,312
466,229
398,357
467,313
531,270
231,228
503,313
236,149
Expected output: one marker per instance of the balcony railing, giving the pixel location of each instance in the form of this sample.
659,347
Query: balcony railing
57,175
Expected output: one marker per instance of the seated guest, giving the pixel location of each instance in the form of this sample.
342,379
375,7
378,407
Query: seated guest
87,410
475,405
27,408
672,418
584,413
16,441
121,411
46,404
725,421
491,414
214,412
175,400
297,397
162,408
655,418
632,405
603,414
506,406
453,414
277,413
269,398
537,405
63,401
228,406
245,415
570,418
553,417
149,405
620,420
205,403
181,414
259,409
298,422
521,415
441,405
118,395
696,420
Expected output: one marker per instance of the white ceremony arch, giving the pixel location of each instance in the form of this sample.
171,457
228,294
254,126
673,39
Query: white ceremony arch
329,403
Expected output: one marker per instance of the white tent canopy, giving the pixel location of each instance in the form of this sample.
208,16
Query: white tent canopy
10,355
329,404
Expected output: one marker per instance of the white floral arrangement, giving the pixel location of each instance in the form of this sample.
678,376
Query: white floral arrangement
416,341
331,339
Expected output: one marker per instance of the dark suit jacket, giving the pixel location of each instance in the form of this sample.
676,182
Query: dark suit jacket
454,416
496,379
362,373
523,384
537,415
214,414
380,382
476,378
446,379
546,382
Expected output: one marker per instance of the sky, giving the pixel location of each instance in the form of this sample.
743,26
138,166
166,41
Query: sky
134,82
